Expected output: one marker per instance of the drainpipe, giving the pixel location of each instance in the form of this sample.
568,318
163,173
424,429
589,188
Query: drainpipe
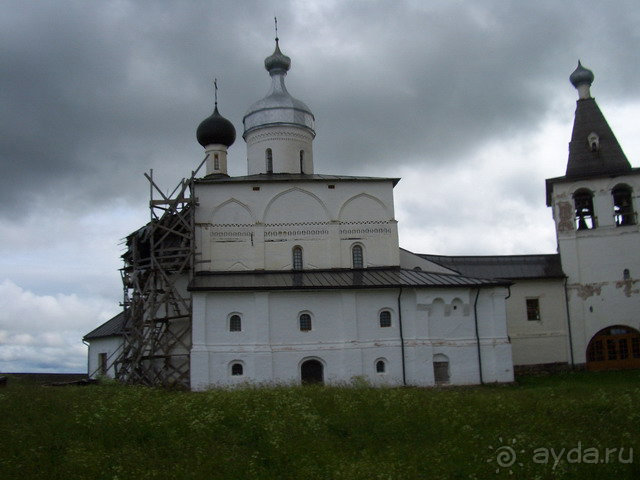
404,368
475,318
566,302
88,346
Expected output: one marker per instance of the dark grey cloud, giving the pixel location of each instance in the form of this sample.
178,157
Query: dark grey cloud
94,94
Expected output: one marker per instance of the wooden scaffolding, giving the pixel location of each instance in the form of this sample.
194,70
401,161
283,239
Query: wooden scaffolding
158,266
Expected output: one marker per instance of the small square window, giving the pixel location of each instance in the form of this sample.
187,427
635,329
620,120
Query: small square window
533,309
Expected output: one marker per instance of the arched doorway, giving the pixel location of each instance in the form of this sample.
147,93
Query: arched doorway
312,371
441,369
614,348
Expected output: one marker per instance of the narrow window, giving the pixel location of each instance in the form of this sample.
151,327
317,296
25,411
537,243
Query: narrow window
235,323
236,369
216,162
585,219
269,158
301,161
356,256
385,318
297,258
533,309
380,366
622,206
102,363
305,322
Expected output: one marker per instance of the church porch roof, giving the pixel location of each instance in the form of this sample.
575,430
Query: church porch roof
511,267
332,279
113,327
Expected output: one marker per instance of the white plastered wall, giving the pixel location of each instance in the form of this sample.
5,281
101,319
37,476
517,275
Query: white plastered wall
254,226
112,346
346,336
595,261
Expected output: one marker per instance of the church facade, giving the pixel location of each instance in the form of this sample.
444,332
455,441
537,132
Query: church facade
299,276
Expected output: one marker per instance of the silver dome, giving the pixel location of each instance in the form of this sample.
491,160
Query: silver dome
278,107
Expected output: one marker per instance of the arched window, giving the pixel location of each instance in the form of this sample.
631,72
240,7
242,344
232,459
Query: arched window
583,200
216,162
623,206
236,369
297,258
235,323
269,159
381,367
301,161
356,256
385,318
305,322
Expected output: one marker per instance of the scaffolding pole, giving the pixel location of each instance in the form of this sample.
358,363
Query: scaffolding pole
158,266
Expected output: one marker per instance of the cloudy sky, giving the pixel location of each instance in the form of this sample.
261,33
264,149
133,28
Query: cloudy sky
468,102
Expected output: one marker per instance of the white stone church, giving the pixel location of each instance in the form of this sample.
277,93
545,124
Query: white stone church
300,277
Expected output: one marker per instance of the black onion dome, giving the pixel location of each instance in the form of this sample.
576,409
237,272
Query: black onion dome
216,130
277,60
581,76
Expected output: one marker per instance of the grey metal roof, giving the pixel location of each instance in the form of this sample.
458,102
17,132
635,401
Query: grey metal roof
112,327
369,278
510,267
290,177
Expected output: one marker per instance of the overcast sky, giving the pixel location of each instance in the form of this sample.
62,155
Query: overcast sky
468,102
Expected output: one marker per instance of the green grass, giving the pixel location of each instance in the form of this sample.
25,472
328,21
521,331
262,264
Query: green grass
118,432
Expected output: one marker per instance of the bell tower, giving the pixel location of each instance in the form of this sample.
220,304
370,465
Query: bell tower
595,208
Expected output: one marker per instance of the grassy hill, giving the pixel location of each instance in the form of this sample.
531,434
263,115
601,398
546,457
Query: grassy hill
541,427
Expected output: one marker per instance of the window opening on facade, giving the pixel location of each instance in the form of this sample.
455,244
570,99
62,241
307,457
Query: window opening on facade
236,369
235,323
533,309
269,159
297,258
301,161
585,219
623,206
380,366
357,257
385,318
305,322
216,162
